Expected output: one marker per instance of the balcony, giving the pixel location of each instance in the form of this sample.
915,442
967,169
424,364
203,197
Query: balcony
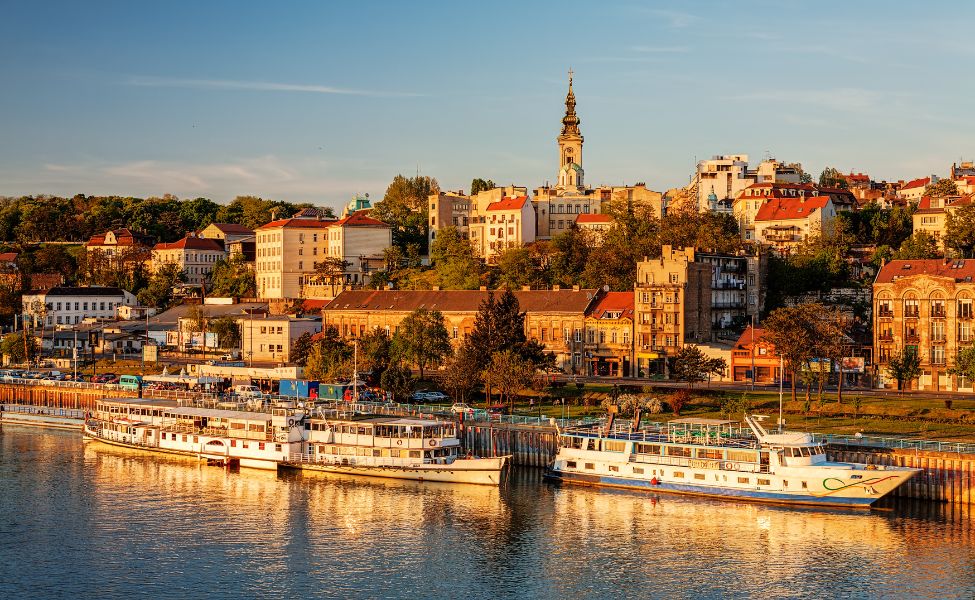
728,304
938,312
886,337
911,313
885,314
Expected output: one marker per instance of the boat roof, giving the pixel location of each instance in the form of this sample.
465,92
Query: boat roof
693,421
217,413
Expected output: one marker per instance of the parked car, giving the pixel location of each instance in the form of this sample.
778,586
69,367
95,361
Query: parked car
437,397
419,397
248,391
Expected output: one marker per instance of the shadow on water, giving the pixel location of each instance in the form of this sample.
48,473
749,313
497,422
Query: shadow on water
90,520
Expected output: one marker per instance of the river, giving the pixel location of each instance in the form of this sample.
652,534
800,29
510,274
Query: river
83,520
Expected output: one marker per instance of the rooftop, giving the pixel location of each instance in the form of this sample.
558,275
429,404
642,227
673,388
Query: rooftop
191,243
613,302
232,228
508,203
565,300
958,270
594,218
81,291
782,209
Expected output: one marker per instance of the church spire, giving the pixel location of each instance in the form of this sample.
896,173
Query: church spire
570,123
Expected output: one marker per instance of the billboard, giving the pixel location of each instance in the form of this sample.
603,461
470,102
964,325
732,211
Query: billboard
852,364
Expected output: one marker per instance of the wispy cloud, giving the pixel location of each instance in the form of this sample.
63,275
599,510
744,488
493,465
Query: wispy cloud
675,18
661,49
839,99
258,86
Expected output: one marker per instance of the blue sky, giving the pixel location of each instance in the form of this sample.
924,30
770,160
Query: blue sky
314,101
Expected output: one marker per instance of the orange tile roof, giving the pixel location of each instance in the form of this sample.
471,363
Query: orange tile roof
302,223
745,341
594,218
917,183
8,257
614,302
781,209
959,270
232,228
360,219
508,203
191,243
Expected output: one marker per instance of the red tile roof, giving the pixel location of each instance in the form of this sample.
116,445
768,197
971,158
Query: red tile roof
959,270
780,209
123,237
745,341
360,218
298,223
594,218
232,228
8,257
564,300
857,177
191,243
508,203
917,183
621,302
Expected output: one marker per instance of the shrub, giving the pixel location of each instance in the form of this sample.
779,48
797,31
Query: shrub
678,400
655,406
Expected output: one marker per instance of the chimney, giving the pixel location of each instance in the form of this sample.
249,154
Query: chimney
556,288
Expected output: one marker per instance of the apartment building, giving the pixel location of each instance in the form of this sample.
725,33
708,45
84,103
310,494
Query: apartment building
913,190
286,251
74,305
672,307
722,178
556,318
609,335
932,213
118,249
737,289
271,337
226,232
194,255
596,225
784,223
753,359
924,305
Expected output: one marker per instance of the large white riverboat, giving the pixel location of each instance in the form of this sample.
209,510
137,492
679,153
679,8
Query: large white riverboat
710,457
232,437
394,448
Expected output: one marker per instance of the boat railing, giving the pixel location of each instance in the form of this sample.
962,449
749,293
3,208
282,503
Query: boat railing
347,461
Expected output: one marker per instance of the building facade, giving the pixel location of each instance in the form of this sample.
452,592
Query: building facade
609,336
924,306
118,249
226,232
556,318
195,257
271,337
753,359
74,305
785,223
287,250
672,307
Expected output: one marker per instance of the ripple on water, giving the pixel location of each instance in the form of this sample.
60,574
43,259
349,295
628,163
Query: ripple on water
91,521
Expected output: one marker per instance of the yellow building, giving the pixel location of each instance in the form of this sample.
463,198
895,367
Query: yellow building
609,335
286,251
932,215
556,318
672,308
925,305
195,256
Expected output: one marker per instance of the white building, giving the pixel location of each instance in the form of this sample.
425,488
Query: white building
74,305
270,339
194,255
722,178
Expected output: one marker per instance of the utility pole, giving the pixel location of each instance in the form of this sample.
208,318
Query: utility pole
753,352
781,380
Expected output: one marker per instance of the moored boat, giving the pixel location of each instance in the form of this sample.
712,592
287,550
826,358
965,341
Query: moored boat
720,458
419,449
231,437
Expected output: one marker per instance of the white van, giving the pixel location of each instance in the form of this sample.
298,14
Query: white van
248,391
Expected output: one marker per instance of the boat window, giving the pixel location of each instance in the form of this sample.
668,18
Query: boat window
699,476
678,451
678,473
277,447
638,470
710,453
614,468
614,446
804,485
744,480
590,465
648,448
415,454
741,456
764,482
570,464
592,444
807,451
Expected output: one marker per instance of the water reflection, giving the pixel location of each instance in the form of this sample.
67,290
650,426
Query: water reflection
97,521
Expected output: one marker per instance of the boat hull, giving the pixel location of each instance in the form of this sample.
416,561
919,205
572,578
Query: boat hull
751,495
270,465
478,471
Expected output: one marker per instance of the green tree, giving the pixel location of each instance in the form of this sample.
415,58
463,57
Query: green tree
331,271
454,261
831,177
479,185
227,330
960,230
302,348
405,207
794,331
13,345
919,246
159,292
460,375
964,363
196,214
397,379
904,366
941,188
375,351
634,235
422,339
689,365
331,357
509,373
518,267
232,278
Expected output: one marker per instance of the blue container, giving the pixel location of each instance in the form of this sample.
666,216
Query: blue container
298,388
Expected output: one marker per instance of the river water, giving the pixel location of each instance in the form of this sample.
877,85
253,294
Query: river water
83,520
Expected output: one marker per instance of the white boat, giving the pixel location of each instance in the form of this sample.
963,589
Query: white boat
395,448
231,437
710,457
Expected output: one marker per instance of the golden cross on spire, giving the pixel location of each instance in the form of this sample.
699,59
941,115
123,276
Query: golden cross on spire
570,76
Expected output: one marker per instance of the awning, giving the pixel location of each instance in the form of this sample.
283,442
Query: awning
649,355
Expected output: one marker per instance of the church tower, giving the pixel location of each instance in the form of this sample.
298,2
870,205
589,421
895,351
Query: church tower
570,146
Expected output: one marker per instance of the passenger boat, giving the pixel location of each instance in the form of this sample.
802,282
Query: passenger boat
720,458
396,448
230,437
